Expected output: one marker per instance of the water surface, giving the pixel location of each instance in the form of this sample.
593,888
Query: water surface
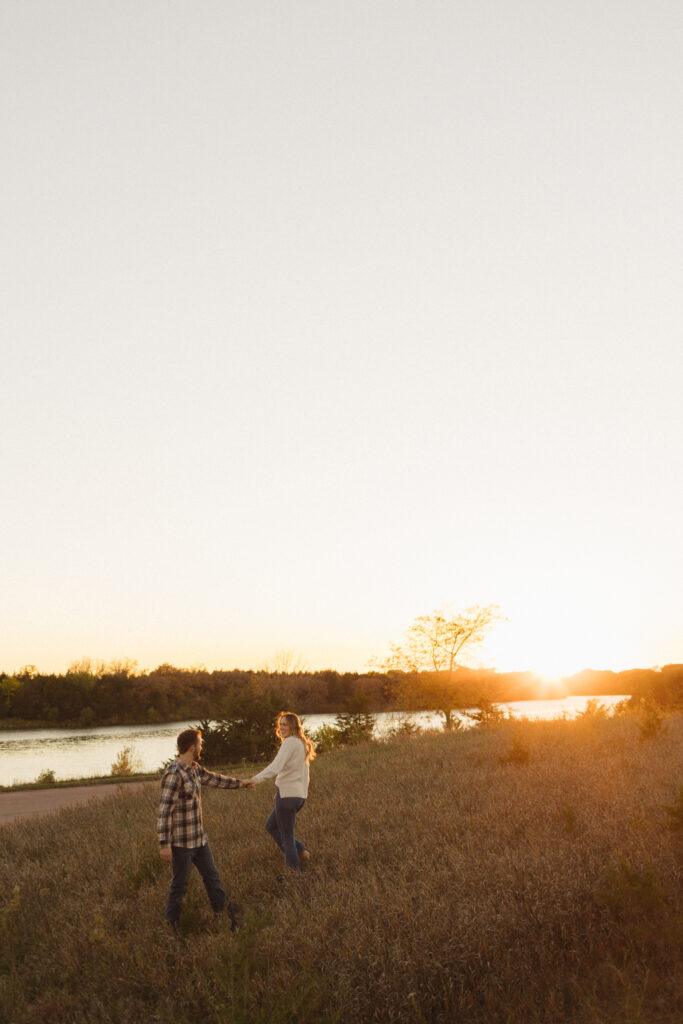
81,753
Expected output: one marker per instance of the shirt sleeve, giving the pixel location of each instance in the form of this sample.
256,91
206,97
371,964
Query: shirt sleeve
278,762
167,803
208,778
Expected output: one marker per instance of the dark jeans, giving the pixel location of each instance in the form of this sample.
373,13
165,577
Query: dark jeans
202,858
280,824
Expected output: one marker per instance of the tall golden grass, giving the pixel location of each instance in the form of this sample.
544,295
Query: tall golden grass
452,880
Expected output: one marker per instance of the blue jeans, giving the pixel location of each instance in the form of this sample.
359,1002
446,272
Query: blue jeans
280,824
202,858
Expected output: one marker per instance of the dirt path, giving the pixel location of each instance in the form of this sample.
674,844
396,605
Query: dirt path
27,803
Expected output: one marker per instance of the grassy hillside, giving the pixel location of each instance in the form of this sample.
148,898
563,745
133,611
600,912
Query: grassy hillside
450,881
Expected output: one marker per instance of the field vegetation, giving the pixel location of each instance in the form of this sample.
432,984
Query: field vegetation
510,874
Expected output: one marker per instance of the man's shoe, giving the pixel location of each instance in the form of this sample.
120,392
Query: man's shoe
218,920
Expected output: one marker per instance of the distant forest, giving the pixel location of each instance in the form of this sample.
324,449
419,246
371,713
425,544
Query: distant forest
117,695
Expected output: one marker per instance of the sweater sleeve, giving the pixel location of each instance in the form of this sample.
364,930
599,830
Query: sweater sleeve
278,762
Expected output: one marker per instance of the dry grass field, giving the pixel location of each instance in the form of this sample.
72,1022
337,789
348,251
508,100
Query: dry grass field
450,881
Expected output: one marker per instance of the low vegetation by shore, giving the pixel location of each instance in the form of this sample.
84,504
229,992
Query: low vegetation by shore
45,782
525,873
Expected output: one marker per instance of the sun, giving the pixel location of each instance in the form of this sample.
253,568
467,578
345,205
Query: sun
554,639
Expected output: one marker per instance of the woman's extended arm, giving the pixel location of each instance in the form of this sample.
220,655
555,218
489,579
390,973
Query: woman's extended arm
278,762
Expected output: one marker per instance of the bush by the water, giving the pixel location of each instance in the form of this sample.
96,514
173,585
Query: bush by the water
451,880
245,729
355,724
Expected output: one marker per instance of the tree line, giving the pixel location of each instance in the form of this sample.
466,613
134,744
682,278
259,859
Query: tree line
117,694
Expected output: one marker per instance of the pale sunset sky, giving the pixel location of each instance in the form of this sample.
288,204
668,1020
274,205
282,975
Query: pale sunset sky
317,316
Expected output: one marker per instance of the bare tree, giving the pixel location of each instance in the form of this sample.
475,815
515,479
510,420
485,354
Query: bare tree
285,662
432,649
436,642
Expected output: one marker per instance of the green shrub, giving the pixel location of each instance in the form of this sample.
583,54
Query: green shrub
355,723
245,730
326,738
355,727
46,777
487,715
348,730
405,728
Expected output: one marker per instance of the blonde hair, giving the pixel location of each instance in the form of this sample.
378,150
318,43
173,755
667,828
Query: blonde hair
296,729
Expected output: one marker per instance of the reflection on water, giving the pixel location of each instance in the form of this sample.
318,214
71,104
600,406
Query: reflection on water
80,753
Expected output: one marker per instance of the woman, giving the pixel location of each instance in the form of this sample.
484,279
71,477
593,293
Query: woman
290,768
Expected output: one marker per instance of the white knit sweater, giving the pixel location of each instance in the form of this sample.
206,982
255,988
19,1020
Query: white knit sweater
290,769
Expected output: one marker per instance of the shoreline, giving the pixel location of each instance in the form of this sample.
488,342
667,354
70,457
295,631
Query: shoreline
28,725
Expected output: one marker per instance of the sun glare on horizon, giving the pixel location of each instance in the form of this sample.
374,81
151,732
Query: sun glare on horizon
556,639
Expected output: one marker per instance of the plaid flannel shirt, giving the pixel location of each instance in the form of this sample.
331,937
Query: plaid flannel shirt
179,822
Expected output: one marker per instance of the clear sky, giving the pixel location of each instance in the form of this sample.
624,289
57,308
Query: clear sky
317,316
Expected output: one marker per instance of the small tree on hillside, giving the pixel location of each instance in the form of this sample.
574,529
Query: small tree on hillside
429,654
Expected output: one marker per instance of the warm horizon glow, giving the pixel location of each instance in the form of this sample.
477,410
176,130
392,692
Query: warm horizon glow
548,677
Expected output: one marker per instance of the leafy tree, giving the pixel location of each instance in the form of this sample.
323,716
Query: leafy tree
8,687
438,642
429,655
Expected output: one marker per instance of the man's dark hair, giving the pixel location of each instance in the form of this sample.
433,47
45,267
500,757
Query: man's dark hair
187,739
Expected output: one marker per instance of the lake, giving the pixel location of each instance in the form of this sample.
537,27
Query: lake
80,753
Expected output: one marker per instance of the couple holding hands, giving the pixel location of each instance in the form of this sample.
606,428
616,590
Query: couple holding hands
182,839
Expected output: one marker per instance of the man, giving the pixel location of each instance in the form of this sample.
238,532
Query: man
182,839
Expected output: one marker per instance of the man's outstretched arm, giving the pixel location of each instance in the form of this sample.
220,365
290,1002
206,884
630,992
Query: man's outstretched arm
208,778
